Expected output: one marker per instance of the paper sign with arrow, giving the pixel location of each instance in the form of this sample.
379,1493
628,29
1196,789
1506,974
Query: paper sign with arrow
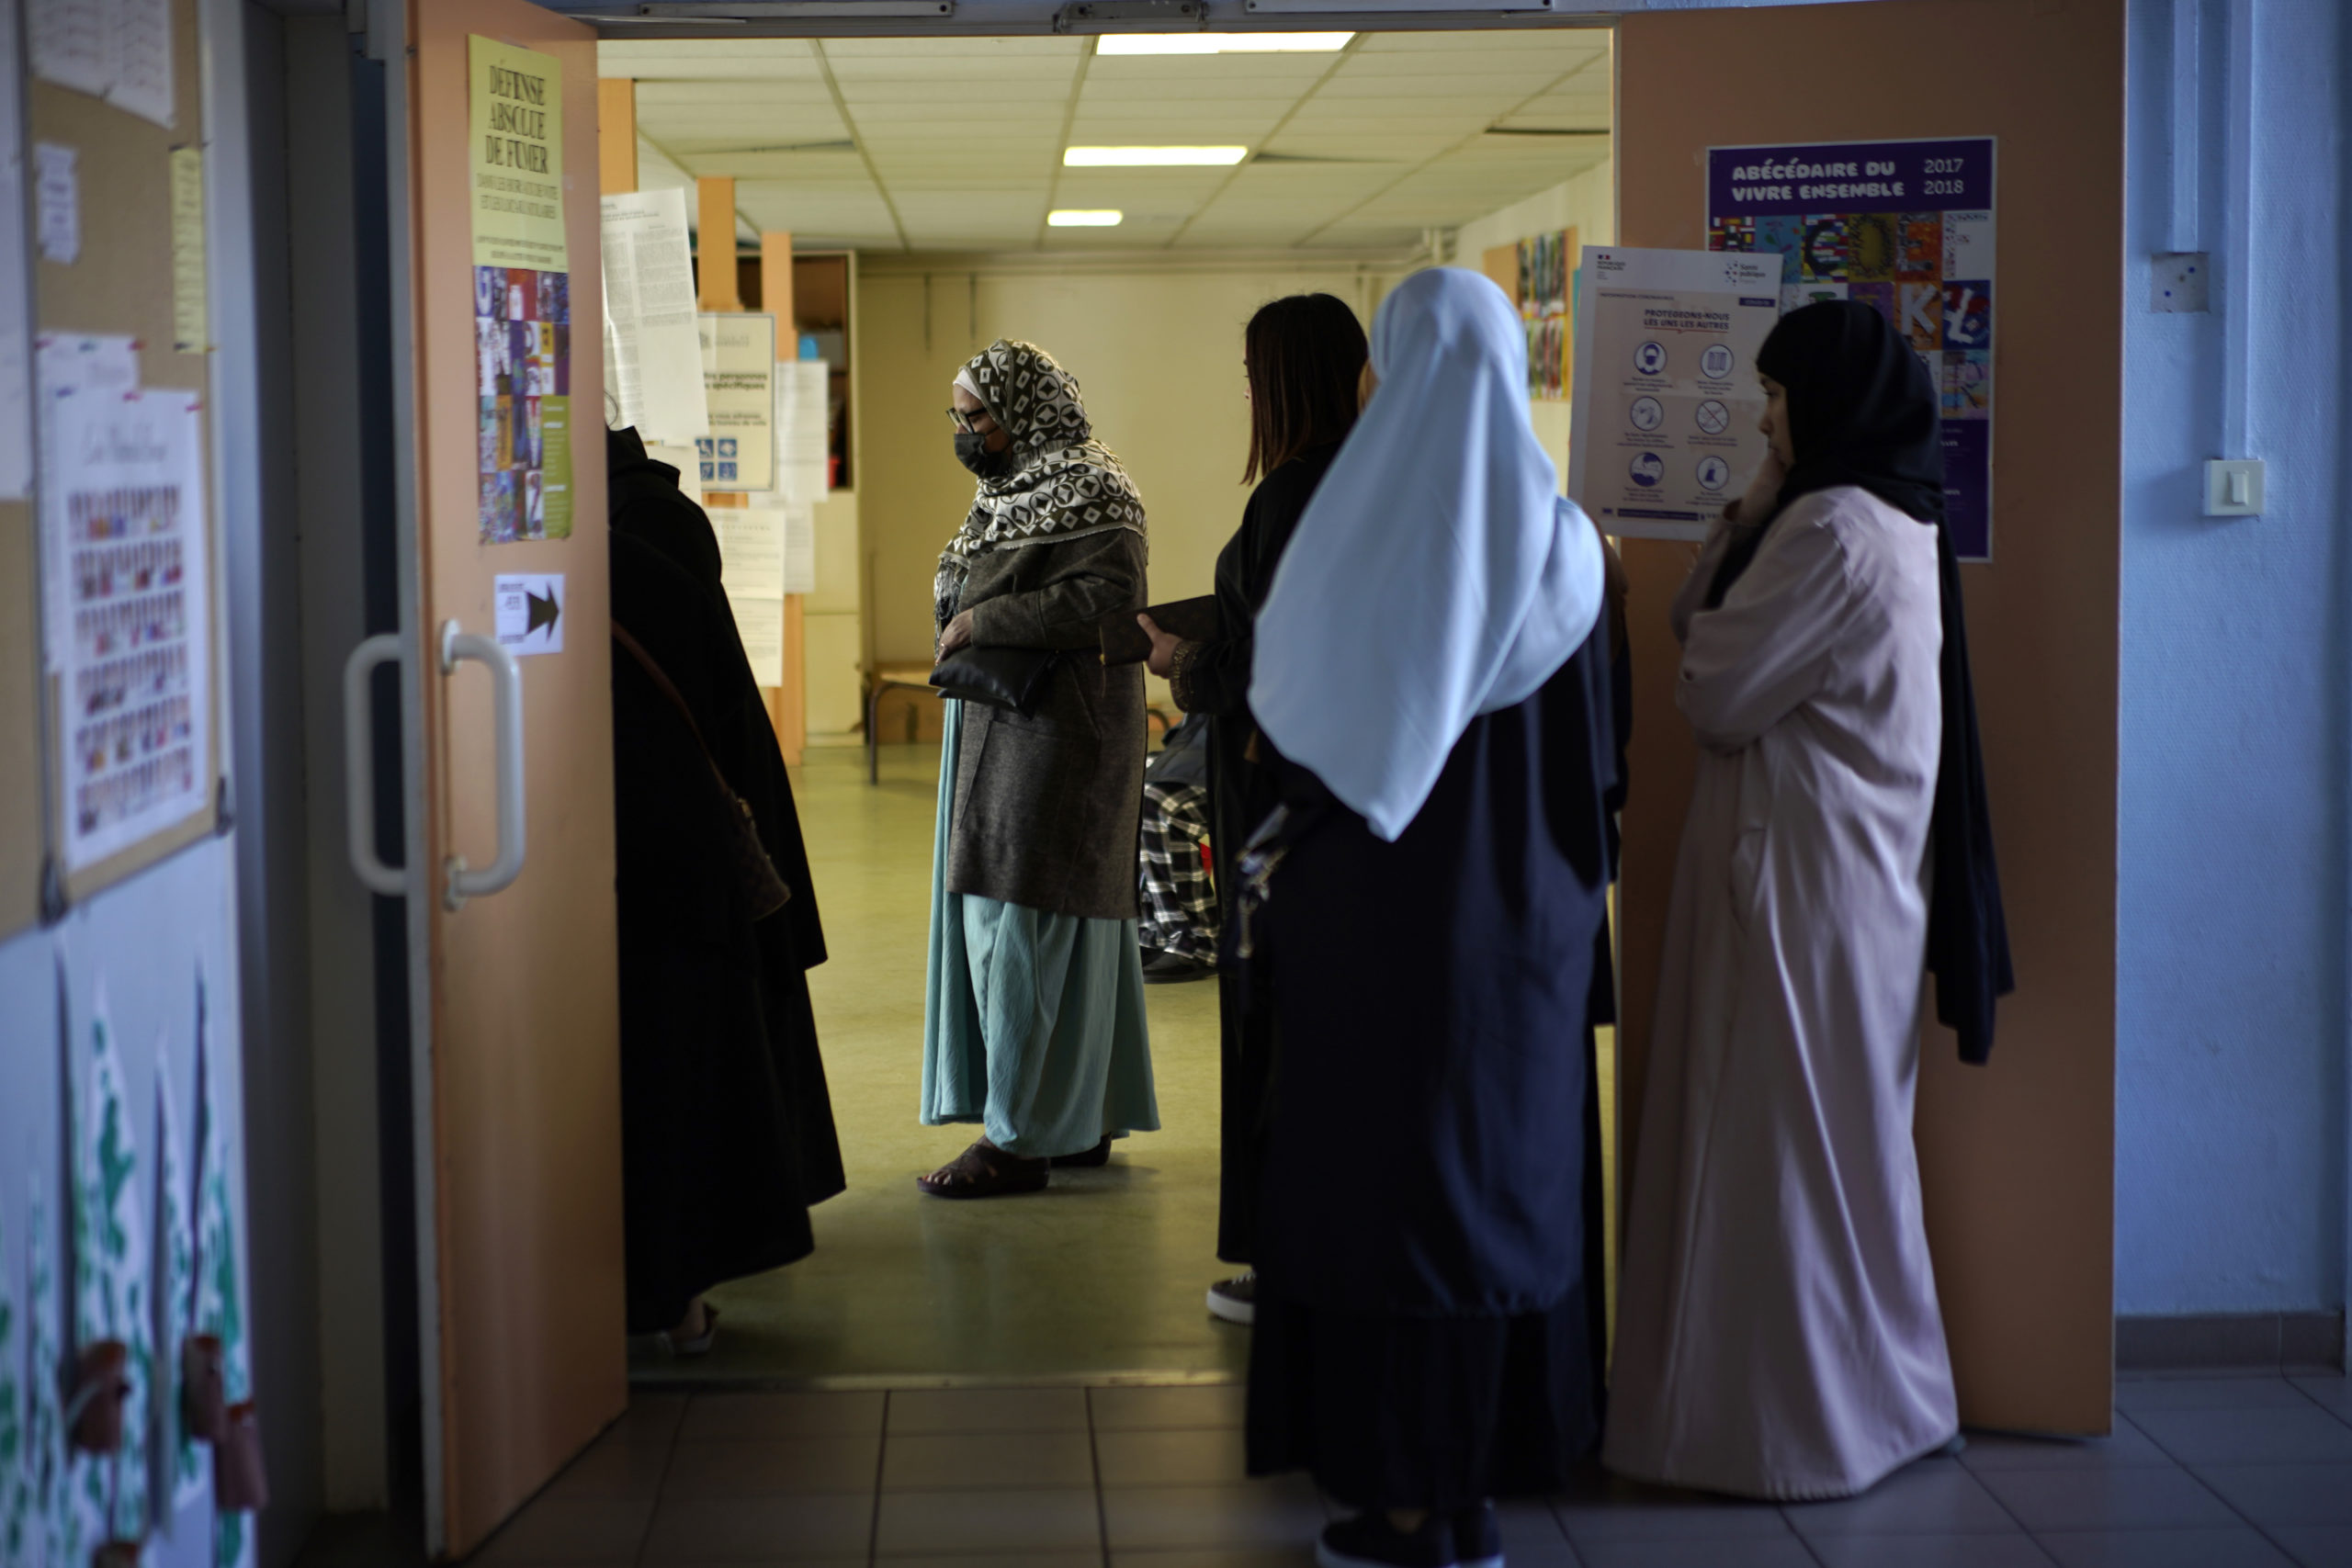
530,612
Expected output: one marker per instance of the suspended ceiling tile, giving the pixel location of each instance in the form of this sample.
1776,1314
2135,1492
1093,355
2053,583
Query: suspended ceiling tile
1295,141
692,59
1548,39
1488,93
938,116
667,97
835,211
962,48
863,71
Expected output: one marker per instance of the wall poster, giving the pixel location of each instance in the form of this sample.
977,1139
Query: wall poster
739,388
1906,227
1667,405
521,293
123,545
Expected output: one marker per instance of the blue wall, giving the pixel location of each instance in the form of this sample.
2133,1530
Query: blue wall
2231,1126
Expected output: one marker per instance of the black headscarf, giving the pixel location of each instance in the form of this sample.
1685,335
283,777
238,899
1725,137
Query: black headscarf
1862,412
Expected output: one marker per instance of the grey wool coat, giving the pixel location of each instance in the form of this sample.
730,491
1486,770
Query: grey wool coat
1048,805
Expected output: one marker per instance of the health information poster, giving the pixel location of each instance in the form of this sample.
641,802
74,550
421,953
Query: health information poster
739,373
521,293
1666,393
1906,227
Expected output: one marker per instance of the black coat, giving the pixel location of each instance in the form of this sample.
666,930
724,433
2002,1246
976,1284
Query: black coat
1215,680
1432,1100
726,1127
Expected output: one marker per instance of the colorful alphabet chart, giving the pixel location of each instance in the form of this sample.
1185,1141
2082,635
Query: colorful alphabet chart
1906,227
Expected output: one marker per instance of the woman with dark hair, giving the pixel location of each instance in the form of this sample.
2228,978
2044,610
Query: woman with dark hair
1304,355
1779,1334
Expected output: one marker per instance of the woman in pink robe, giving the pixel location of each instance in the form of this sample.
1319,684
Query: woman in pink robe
1778,1331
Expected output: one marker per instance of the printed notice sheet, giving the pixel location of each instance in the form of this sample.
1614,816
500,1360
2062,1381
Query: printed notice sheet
739,385
803,436
799,546
760,623
1666,395
751,550
124,543
653,343
1906,227
120,51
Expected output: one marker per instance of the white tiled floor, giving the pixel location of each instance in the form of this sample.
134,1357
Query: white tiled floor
2201,1473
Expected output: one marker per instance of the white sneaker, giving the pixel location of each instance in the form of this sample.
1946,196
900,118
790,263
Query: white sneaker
1236,1299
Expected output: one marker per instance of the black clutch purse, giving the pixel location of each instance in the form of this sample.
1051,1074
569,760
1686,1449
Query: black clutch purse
1001,677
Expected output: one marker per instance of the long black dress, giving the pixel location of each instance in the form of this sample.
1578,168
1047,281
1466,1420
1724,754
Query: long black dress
1213,679
726,1128
1430,1308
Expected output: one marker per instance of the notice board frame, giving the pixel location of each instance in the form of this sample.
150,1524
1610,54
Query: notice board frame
119,284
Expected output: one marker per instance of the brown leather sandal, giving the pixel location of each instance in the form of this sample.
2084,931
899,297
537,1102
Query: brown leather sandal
1087,1158
986,1171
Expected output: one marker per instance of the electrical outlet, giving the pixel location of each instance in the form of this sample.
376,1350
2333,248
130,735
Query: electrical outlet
2234,487
2180,281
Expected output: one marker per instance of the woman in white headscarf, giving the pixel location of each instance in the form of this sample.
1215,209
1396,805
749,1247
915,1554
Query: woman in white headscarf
1433,674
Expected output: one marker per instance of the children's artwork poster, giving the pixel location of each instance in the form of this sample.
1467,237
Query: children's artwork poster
1906,226
1667,397
739,388
1545,265
521,293
125,550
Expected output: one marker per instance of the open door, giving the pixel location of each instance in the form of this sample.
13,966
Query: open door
2016,1159
515,1005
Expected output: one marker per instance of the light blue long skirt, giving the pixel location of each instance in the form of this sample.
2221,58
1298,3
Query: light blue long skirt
1033,1024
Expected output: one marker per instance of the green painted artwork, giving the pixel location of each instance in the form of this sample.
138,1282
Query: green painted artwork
110,1274
44,1464
179,1476
219,1300
15,1494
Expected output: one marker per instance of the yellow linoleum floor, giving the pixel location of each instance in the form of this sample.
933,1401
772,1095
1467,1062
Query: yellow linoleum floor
1099,1276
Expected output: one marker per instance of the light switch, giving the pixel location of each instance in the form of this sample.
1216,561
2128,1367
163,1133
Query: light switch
2234,487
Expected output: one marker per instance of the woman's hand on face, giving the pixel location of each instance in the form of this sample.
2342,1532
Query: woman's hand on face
1164,646
957,634
1763,492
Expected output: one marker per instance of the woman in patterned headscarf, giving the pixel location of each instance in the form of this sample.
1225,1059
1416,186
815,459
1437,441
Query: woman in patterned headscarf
1034,1017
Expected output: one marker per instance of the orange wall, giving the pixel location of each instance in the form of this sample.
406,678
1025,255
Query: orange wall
2016,1159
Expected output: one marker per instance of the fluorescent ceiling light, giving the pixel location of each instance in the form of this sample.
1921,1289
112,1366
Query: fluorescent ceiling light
1150,157
1083,218
1221,43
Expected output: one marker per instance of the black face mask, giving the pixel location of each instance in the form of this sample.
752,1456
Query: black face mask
972,451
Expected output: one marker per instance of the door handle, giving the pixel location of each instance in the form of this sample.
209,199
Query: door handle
359,766
506,694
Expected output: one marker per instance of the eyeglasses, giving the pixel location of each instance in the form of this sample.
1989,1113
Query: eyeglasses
965,420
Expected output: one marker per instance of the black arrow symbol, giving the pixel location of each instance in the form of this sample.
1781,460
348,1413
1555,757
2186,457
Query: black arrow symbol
543,611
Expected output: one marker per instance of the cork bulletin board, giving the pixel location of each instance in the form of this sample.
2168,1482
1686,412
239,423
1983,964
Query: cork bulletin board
128,265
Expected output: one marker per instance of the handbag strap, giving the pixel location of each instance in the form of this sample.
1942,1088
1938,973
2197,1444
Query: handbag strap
677,700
